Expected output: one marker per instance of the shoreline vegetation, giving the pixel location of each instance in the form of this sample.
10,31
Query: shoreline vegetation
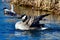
38,7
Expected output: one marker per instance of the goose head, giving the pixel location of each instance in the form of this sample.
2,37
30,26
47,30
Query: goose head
23,17
5,9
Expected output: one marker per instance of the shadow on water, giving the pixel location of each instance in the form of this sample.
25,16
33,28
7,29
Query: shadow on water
36,33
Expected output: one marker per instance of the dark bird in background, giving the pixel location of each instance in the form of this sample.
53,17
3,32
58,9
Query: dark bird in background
9,12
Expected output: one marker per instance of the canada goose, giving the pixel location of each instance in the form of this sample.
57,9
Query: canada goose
29,23
9,12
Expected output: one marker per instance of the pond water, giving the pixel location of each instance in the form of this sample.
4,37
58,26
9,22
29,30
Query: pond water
8,31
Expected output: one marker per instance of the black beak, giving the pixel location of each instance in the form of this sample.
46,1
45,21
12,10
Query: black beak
4,8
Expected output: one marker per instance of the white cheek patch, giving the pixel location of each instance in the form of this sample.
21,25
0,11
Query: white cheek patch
23,17
5,10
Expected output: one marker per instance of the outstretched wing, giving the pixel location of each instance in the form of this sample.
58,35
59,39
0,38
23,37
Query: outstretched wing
36,20
40,18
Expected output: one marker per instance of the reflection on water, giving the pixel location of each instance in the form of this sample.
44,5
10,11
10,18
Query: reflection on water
33,35
8,31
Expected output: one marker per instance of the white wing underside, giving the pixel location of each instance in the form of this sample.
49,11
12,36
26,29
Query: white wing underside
22,26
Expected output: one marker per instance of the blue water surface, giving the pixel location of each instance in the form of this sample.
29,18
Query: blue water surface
8,32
